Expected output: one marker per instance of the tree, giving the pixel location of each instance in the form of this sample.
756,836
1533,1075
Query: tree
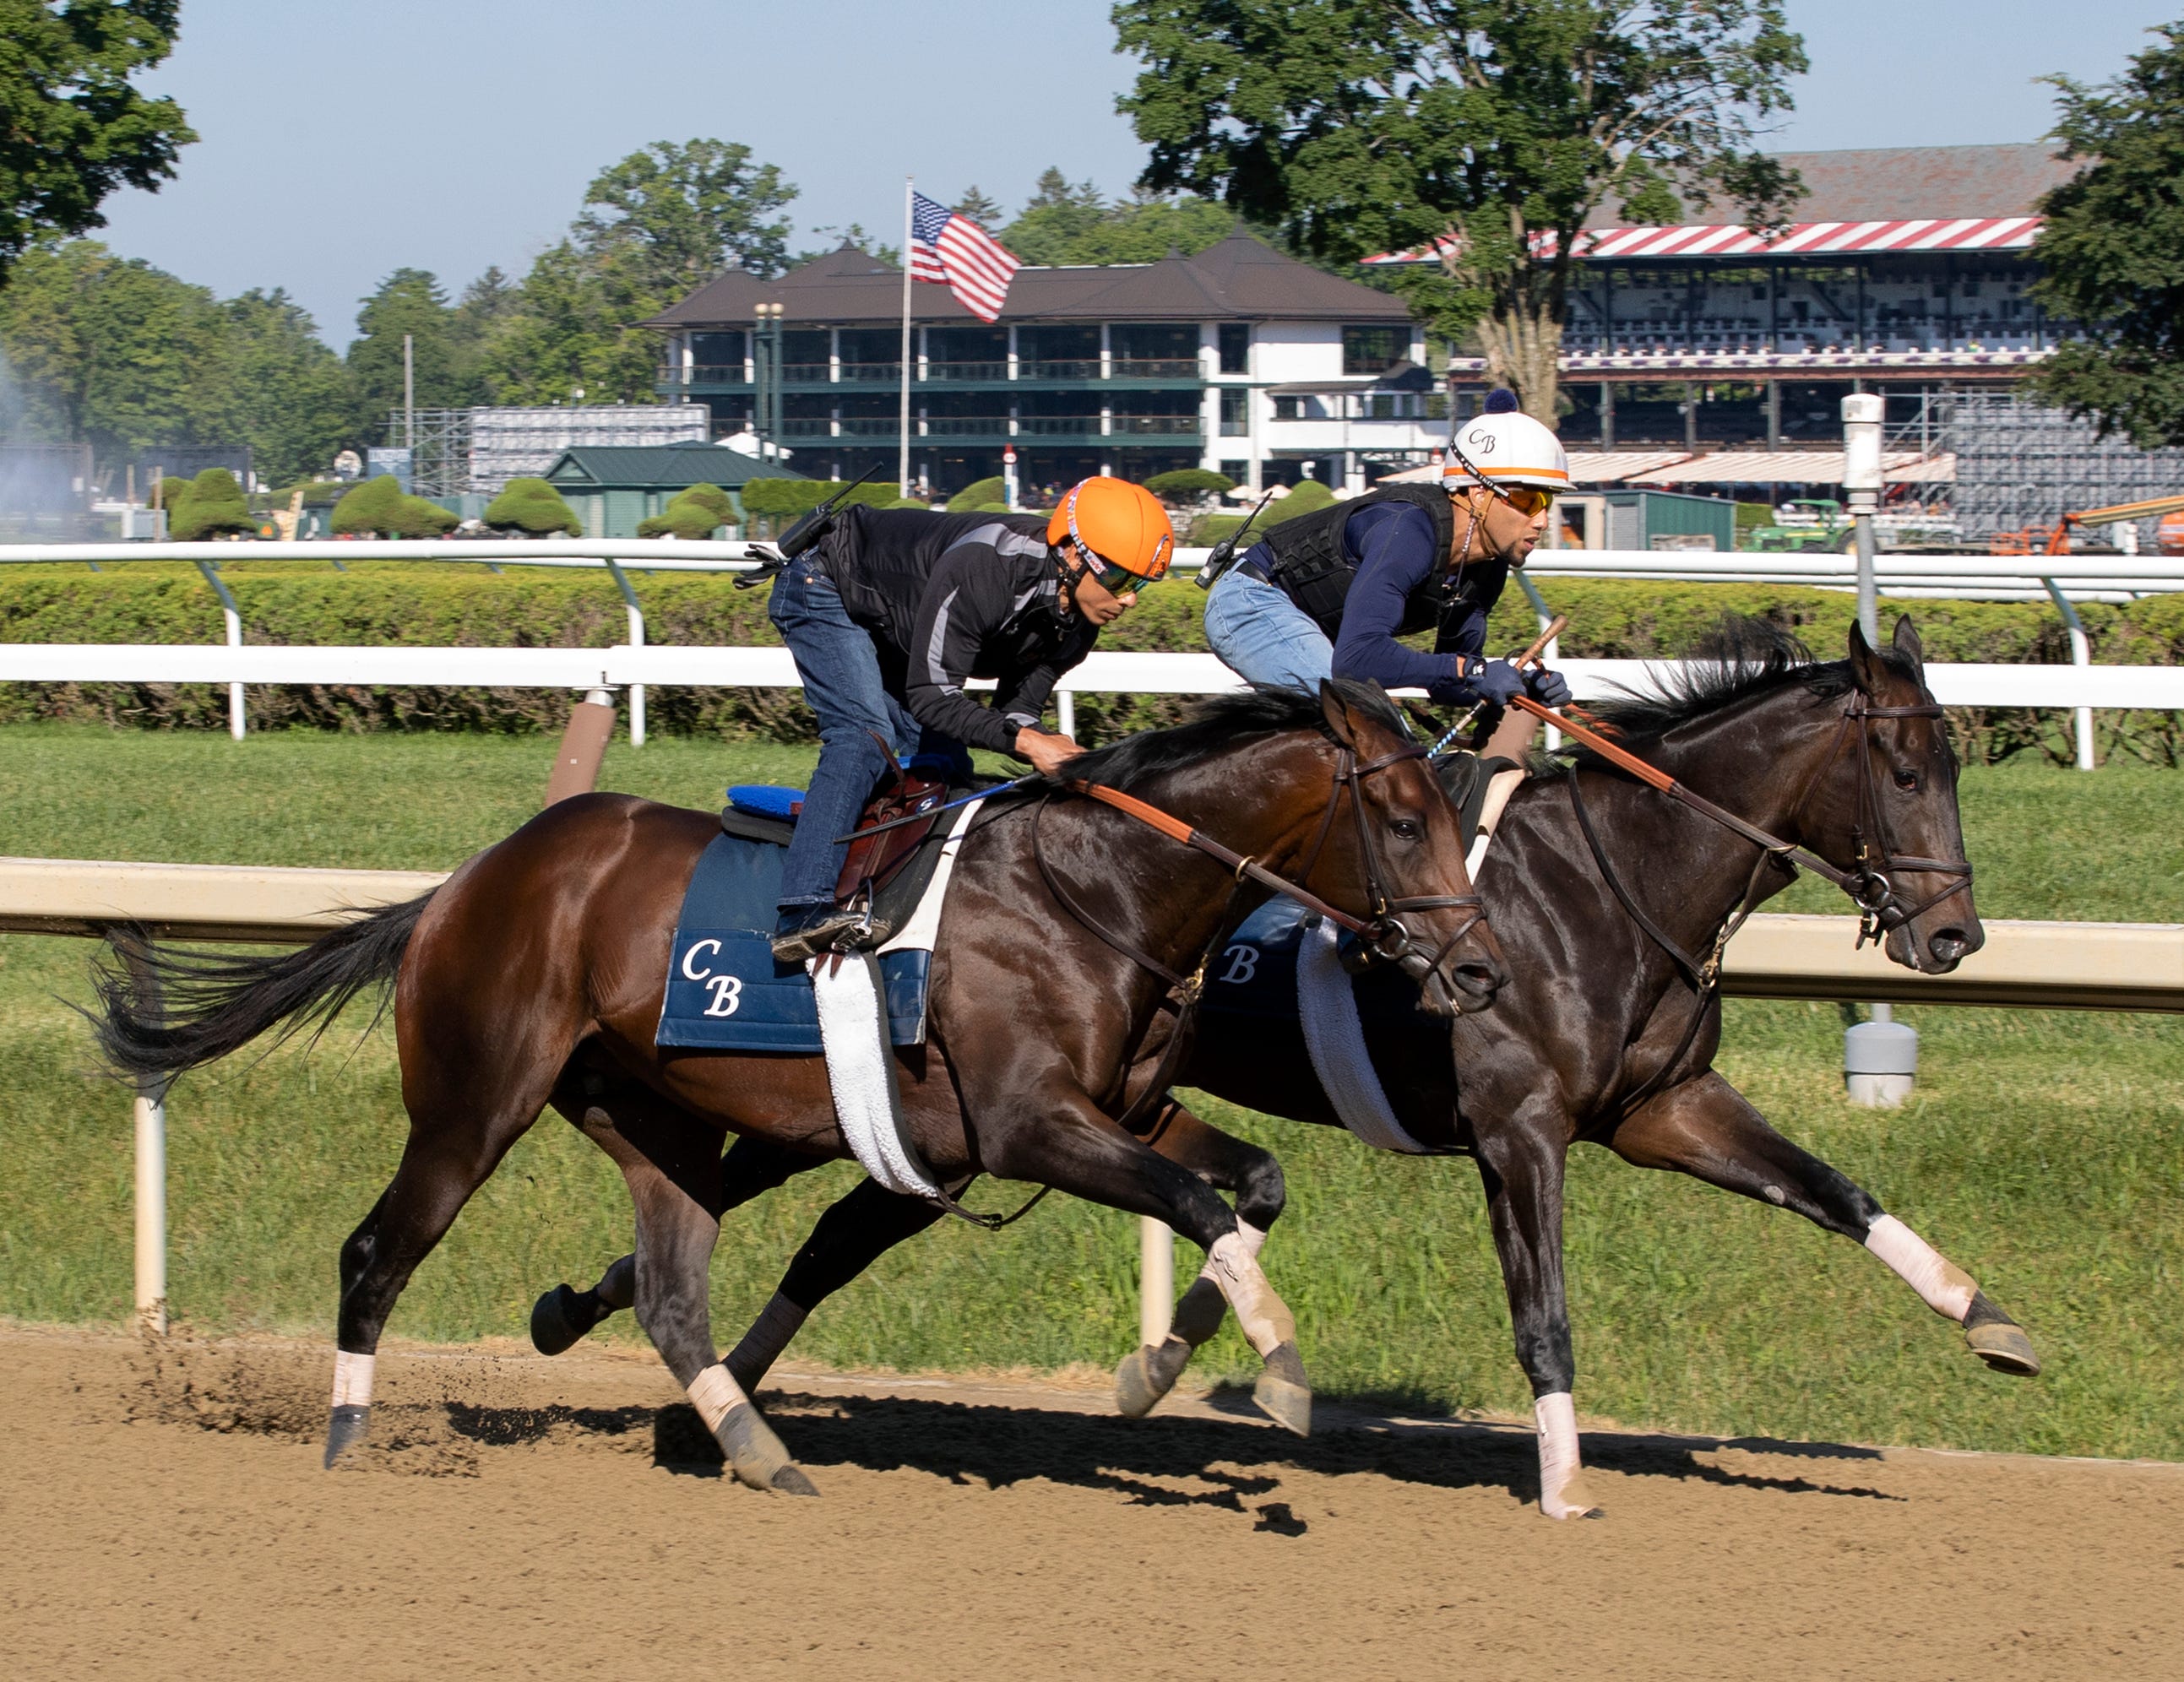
74,128
408,302
533,506
656,225
985,211
212,506
279,389
2112,250
1493,130
1056,215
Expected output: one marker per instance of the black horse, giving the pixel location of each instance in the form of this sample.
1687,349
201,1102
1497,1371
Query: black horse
1607,1032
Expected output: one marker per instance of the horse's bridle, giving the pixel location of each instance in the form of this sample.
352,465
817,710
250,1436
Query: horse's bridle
1870,883
1383,936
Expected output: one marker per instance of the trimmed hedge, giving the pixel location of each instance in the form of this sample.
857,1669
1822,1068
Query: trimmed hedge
211,505
456,605
529,505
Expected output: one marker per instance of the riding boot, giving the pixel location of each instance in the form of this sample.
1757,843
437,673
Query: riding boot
806,931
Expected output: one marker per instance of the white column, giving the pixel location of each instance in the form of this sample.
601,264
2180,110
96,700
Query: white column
635,690
1156,1280
235,714
152,1207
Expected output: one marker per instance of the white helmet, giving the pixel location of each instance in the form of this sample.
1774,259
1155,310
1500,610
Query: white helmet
1503,446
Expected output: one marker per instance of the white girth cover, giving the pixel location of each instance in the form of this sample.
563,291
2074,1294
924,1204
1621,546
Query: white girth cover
1327,1009
853,1030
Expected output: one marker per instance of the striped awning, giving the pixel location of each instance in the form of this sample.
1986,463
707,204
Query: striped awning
1716,241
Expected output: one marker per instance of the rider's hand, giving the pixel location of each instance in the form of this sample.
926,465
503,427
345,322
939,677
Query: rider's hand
1497,682
1547,687
1047,751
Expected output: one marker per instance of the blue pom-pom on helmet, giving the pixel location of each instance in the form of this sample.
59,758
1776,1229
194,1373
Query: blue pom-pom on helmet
1500,401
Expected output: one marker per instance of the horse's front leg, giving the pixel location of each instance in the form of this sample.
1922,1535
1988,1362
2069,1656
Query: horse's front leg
1705,1127
1149,1371
1521,1165
1057,1135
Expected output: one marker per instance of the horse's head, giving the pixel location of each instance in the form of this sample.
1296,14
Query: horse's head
1884,808
1395,857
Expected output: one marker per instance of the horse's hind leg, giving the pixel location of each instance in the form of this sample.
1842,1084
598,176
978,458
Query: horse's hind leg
671,1163
1706,1128
449,1154
1149,1371
563,1316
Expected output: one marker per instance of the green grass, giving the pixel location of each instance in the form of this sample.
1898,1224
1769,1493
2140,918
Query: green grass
2041,1150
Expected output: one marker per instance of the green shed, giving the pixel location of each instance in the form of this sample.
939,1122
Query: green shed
1668,520
613,487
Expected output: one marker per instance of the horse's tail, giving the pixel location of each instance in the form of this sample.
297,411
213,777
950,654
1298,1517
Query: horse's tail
162,1012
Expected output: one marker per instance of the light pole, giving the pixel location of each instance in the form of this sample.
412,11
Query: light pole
1880,1057
1861,418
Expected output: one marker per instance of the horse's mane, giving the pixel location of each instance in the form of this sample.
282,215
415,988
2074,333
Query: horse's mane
1219,722
1740,658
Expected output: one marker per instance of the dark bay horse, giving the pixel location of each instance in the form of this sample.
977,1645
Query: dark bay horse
1593,1040
535,975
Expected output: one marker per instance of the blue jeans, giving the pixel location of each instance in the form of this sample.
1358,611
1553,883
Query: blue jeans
840,665
1263,637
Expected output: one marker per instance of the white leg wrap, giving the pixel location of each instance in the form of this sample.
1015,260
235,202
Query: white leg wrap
770,1333
1264,1316
1561,1492
1254,1241
1946,1288
352,1380
714,1393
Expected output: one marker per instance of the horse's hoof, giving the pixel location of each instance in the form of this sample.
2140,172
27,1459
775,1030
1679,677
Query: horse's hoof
346,1426
757,1456
1283,1394
2004,1347
1147,1374
562,1315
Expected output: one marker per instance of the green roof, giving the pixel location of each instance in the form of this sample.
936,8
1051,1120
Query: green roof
659,467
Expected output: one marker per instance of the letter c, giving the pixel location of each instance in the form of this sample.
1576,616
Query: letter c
688,957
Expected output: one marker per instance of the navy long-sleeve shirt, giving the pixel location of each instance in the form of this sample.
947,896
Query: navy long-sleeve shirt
1397,555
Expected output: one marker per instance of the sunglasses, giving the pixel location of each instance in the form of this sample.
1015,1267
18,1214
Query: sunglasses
1116,580
1526,499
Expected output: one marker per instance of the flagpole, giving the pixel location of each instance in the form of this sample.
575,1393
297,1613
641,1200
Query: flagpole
903,464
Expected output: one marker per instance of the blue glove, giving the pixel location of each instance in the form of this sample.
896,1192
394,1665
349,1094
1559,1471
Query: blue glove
1497,681
1547,687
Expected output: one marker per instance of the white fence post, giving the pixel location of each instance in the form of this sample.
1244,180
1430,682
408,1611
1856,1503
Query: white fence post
1551,654
2081,654
233,616
1156,1280
1065,712
635,641
152,1207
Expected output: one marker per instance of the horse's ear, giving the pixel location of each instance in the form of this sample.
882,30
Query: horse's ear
1335,708
1906,639
1865,667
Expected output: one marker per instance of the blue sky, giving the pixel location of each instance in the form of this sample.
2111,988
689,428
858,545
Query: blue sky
342,141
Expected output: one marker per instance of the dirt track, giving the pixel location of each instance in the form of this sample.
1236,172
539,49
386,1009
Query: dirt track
515,1518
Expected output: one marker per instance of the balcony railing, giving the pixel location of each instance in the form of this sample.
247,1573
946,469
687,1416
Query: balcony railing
1179,426
1182,368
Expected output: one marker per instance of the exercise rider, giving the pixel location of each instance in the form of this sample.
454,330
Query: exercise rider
892,611
1329,593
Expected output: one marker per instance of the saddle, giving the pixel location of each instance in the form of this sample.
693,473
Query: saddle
876,864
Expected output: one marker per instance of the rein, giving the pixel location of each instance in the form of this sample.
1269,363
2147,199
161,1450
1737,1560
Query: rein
1881,908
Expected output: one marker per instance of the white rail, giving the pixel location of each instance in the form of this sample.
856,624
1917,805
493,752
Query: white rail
2119,966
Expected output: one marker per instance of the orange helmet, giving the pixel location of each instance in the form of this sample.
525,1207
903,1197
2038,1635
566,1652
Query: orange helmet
1112,525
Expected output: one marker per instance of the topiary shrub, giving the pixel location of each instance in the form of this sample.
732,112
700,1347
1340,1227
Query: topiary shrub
1307,497
692,522
977,495
528,505
1189,484
374,505
779,502
416,517
213,507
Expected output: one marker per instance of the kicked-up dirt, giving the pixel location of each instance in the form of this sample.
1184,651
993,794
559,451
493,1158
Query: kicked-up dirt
162,1513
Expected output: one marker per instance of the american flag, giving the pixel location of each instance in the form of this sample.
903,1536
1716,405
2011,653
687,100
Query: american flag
958,253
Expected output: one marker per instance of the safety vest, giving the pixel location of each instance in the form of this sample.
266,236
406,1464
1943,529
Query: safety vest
1312,569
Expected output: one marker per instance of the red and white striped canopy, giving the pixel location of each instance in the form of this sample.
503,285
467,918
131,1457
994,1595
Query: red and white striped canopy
1801,239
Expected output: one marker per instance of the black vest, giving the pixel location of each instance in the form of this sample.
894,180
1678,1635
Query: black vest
1312,569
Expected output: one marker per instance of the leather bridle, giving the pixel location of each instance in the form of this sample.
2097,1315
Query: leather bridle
1383,935
1870,882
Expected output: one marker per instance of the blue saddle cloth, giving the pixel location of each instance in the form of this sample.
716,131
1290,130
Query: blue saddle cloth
725,992
1254,976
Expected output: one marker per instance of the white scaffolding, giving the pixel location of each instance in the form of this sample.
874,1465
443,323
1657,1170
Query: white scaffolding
504,443
2022,463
